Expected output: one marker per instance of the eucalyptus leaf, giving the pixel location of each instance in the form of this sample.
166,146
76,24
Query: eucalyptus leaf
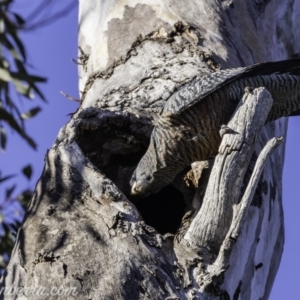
2,26
10,120
6,42
2,179
3,138
19,44
9,191
31,113
19,19
21,75
5,75
40,94
11,29
27,171
23,89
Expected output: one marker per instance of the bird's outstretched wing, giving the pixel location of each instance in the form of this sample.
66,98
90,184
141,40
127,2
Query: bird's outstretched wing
190,95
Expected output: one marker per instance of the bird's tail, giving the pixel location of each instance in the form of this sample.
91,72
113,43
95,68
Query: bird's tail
295,113
291,66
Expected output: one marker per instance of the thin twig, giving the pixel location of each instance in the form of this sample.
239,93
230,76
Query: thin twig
69,97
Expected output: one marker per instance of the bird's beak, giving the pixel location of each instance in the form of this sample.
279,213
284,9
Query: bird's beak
134,191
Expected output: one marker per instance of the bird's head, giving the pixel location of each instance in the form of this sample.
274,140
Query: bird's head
143,182
160,164
151,174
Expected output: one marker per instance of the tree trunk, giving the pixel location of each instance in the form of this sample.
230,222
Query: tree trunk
83,232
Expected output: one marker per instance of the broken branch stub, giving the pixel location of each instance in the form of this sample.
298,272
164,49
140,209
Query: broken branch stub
240,210
210,226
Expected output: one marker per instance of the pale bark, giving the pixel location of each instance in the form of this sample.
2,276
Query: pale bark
82,231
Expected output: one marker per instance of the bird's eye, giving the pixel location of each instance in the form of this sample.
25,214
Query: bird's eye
149,178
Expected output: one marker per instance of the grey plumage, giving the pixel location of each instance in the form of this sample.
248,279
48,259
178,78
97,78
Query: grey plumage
188,129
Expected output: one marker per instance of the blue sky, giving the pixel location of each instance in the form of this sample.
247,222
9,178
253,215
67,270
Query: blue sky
50,51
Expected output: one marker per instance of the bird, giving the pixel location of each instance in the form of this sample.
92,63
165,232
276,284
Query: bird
188,128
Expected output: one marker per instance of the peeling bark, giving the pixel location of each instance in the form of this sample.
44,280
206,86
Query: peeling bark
82,229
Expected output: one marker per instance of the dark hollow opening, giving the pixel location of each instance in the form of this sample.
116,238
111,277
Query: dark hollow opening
115,143
163,210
